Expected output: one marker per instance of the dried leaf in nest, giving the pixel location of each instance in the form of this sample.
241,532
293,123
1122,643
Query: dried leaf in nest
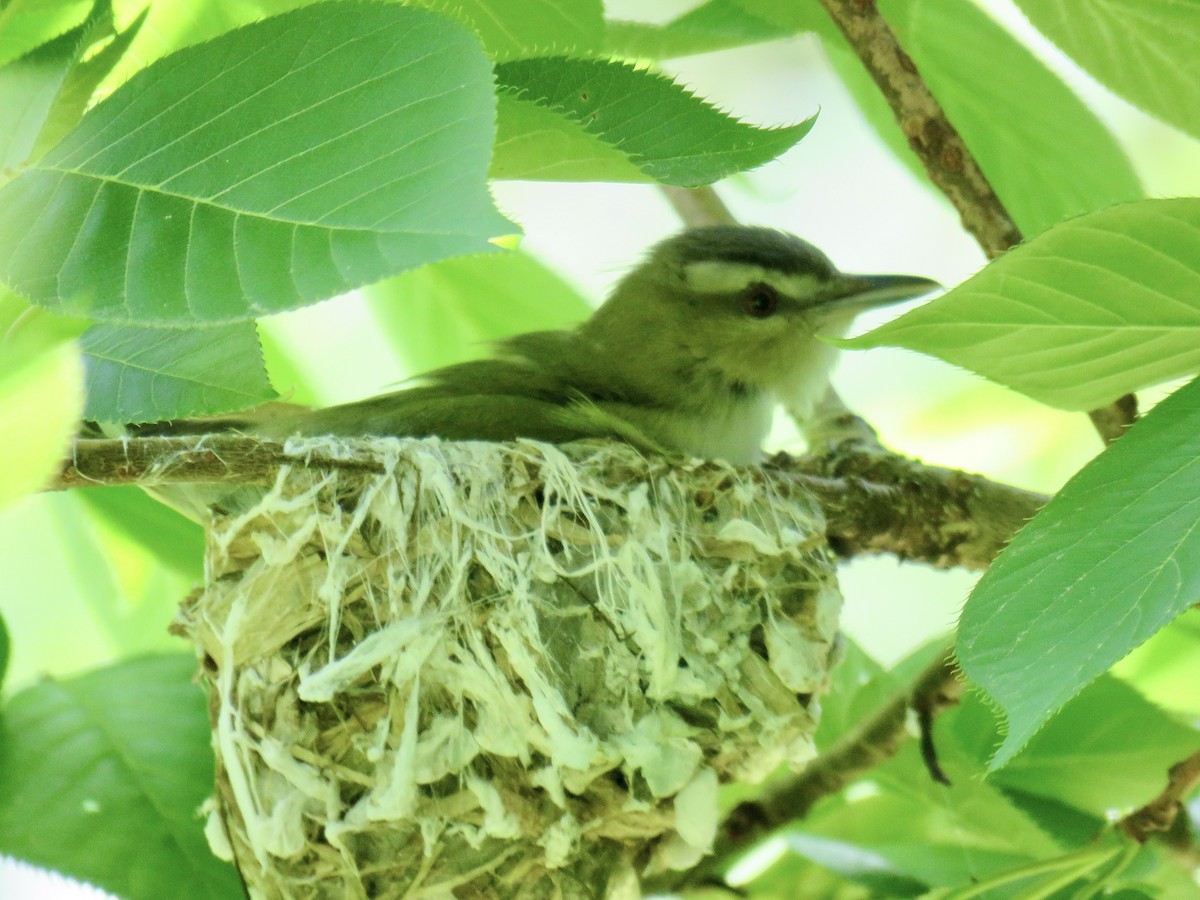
504,670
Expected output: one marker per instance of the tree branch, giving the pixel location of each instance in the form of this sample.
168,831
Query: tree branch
947,160
874,502
1160,813
950,165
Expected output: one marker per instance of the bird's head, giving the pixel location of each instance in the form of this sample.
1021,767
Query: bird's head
738,308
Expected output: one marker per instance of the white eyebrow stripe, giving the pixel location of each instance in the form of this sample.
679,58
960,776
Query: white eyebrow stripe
716,277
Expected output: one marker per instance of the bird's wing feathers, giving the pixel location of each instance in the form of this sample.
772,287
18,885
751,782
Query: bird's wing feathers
540,390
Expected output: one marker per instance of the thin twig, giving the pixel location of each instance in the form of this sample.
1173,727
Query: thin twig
949,163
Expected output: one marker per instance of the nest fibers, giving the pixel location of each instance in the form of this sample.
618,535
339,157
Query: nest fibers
503,670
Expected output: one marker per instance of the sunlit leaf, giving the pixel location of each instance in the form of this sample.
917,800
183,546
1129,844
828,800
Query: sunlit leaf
102,776
448,312
166,534
1123,742
148,374
1095,308
1147,51
514,28
31,84
671,135
715,25
271,167
4,648
535,143
28,24
984,79
79,86
41,395
1113,558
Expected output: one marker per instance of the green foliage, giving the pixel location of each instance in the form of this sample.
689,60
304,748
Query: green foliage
443,313
671,135
1112,559
1147,51
102,776
28,24
221,205
4,649
164,533
1099,306
147,374
1030,149
41,394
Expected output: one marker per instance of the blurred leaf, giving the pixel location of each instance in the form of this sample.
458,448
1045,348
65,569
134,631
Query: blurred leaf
861,865
152,374
1030,152
1166,668
28,24
672,135
1112,558
102,776
858,686
1084,869
1095,308
31,84
79,86
4,645
1146,51
41,395
243,217
715,25
166,534
984,78
1107,749
537,144
1069,824
440,314
514,28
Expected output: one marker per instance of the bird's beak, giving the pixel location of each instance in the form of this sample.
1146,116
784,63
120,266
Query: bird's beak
858,292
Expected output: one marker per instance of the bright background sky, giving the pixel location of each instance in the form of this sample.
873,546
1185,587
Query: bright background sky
841,189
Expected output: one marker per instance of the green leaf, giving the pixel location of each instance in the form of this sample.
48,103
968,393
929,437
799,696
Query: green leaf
1095,308
28,24
41,395
861,865
1147,51
1112,558
4,650
534,143
984,79
79,86
102,776
30,85
513,28
671,135
168,536
151,374
442,314
715,25
274,166
1108,749
1030,151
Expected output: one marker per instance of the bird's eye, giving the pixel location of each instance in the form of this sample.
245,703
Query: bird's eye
760,301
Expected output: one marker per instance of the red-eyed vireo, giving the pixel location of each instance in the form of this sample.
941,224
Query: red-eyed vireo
691,353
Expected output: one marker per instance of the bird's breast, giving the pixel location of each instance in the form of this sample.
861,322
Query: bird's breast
733,430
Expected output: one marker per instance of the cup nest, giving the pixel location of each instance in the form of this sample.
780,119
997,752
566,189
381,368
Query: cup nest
502,670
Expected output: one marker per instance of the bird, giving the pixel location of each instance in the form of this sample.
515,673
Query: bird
691,353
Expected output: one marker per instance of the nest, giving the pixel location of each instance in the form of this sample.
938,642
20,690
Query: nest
503,670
